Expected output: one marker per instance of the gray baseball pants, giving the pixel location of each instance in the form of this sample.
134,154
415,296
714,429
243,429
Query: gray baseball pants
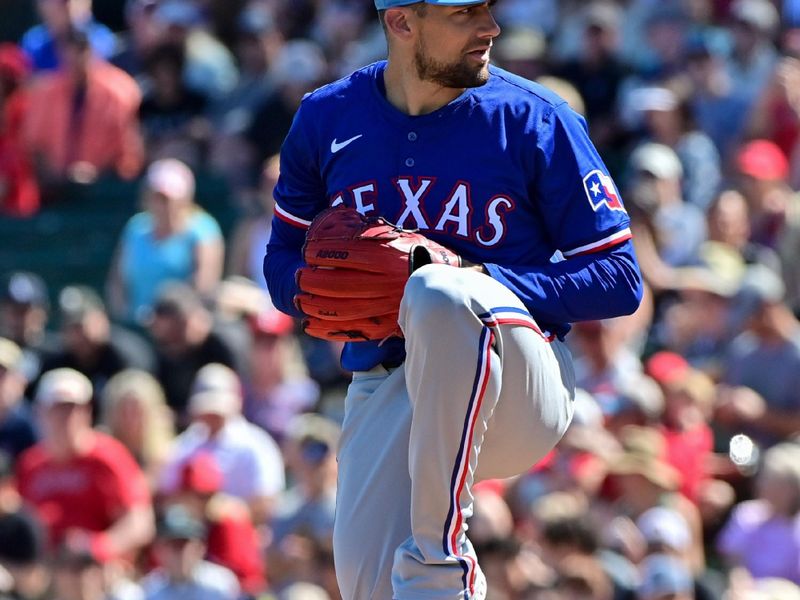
483,394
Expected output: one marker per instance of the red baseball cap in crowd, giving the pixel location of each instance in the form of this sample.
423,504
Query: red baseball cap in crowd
764,160
271,322
667,367
201,474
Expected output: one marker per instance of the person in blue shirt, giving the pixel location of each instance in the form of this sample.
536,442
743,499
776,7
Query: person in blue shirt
173,240
501,171
41,42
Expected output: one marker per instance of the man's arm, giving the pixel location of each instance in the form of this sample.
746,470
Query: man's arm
585,219
133,530
592,286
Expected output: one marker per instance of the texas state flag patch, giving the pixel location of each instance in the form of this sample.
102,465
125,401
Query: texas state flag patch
601,191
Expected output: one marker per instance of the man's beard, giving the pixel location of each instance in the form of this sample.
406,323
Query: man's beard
457,75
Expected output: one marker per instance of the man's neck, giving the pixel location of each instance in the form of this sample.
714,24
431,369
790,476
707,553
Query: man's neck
413,96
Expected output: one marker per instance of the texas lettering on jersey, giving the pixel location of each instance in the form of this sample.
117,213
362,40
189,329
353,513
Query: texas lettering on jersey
454,215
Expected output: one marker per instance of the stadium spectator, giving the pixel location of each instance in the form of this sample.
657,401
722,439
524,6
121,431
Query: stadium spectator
135,412
210,67
598,71
19,192
753,57
774,207
258,43
249,458
689,398
84,485
299,67
44,43
18,430
82,119
80,574
643,480
172,240
762,534
308,505
186,339
91,344
183,573
22,542
278,386
231,538
583,577
667,120
776,114
697,321
717,107
172,114
603,359
667,534
762,366
729,223
141,35
675,227
24,314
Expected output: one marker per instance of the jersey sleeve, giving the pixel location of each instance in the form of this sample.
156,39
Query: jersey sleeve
299,196
300,191
579,201
587,223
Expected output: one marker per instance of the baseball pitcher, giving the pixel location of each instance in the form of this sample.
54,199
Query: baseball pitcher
448,220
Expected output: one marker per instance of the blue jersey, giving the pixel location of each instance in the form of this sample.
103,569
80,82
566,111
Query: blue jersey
505,175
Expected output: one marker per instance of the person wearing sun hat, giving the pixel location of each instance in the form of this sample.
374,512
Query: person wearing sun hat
646,480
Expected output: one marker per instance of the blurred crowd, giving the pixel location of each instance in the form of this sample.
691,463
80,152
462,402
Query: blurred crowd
173,436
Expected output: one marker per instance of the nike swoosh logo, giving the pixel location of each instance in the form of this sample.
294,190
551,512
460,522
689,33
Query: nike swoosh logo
336,146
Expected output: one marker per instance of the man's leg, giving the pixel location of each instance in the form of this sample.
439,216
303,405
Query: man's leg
374,488
467,339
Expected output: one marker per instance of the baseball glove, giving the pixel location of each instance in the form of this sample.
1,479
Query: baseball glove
356,271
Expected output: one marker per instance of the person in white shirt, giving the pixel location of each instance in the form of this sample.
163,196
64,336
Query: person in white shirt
249,458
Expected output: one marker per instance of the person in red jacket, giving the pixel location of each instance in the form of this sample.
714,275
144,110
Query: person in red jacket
85,485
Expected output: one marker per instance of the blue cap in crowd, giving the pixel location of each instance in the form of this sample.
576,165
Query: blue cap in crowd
383,4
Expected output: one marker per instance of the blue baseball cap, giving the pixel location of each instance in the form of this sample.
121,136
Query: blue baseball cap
384,4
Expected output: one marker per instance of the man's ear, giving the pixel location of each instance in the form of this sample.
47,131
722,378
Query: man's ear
397,22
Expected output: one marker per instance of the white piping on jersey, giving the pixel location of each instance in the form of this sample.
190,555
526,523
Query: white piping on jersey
610,240
290,218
